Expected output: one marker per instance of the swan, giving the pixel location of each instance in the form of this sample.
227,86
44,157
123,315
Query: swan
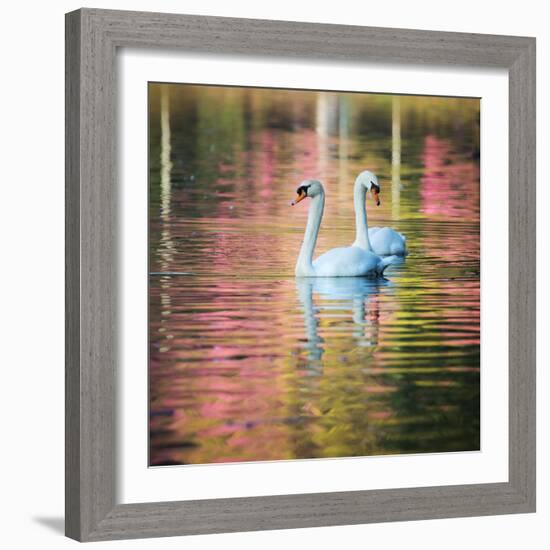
383,241
349,261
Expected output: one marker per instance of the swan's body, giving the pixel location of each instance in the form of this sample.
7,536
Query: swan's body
349,261
383,241
386,241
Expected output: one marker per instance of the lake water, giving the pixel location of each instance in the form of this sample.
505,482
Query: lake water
249,363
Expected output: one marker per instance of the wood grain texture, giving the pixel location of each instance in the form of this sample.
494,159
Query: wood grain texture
72,276
522,274
91,215
92,37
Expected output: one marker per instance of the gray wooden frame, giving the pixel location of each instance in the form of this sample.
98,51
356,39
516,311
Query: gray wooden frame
92,39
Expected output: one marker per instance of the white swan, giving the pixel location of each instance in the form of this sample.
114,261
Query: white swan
383,241
349,261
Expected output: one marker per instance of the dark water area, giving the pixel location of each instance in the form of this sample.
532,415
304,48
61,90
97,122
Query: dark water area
248,362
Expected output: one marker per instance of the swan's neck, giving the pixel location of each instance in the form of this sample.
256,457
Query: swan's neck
361,227
304,265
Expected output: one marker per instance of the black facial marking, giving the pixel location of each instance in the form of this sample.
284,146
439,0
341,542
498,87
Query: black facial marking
377,187
303,189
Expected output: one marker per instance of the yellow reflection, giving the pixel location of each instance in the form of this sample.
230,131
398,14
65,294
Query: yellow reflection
165,152
165,203
396,156
343,147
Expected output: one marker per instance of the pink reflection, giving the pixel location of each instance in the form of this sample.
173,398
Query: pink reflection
449,188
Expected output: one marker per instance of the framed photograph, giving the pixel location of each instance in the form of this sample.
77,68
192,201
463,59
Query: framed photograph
300,275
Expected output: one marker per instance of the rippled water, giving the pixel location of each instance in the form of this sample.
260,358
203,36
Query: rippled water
249,363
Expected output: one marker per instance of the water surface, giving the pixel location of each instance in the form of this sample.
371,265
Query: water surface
249,363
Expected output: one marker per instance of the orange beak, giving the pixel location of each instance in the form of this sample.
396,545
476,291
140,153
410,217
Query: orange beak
299,197
375,195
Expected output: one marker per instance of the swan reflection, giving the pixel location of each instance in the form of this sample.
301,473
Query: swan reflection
330,298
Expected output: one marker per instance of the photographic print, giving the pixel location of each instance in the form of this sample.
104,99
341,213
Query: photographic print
314,274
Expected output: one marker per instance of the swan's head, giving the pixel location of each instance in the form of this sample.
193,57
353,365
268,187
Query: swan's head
370,182
308,188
